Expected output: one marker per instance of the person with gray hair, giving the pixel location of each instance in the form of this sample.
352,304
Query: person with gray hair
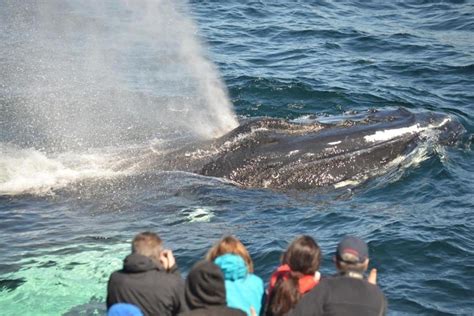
348,292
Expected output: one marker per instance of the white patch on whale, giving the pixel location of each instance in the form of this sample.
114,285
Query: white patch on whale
346,183
392,133
335,143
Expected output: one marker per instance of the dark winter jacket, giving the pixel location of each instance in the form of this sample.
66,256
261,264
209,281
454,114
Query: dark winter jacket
205,292
342,295
142,283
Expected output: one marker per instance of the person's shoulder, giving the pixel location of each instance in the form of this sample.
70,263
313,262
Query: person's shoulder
117,275
237,312
320,288
255,279
165,279
230,311
338,281
215,311
323,282
375,288
170,278
345,280
251,282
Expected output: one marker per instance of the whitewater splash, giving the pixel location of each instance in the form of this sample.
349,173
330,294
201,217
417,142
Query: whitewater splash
85,82
28,171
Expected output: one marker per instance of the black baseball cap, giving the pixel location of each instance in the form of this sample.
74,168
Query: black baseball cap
352,250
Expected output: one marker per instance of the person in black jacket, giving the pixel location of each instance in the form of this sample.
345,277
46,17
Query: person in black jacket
346,293
205,292
149,279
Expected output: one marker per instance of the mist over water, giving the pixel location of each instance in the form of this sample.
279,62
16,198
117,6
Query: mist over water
106,73
84,79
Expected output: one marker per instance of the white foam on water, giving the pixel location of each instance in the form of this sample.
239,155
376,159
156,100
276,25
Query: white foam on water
441,152
423,151
304,119
399,164
200,214
29,171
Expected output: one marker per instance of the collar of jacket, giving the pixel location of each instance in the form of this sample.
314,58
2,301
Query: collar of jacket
135,263
352,274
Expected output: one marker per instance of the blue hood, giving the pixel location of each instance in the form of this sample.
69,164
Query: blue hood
233,266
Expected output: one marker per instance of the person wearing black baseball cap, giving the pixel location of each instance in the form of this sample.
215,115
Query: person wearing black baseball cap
347,292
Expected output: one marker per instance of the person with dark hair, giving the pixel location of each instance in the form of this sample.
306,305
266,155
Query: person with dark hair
297,275
205,292
149,279
348,292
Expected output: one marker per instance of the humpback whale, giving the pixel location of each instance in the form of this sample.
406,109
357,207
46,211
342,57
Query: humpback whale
281,154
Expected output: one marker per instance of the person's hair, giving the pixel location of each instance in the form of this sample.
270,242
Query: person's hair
303,256
346,266
230,244
147,244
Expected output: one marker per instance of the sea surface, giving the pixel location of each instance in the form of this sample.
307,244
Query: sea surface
85,86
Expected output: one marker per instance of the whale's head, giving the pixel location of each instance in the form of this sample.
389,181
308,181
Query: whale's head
277,153
449,130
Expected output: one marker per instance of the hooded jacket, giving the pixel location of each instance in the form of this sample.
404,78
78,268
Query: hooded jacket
143,283
205,292
243,289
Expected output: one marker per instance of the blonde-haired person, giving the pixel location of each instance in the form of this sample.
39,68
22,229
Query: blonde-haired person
244,289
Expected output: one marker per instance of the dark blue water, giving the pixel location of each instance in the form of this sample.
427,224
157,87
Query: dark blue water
67,216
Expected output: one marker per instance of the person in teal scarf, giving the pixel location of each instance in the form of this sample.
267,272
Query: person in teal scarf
244,289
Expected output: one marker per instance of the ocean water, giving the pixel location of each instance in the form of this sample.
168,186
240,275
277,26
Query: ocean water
86,87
